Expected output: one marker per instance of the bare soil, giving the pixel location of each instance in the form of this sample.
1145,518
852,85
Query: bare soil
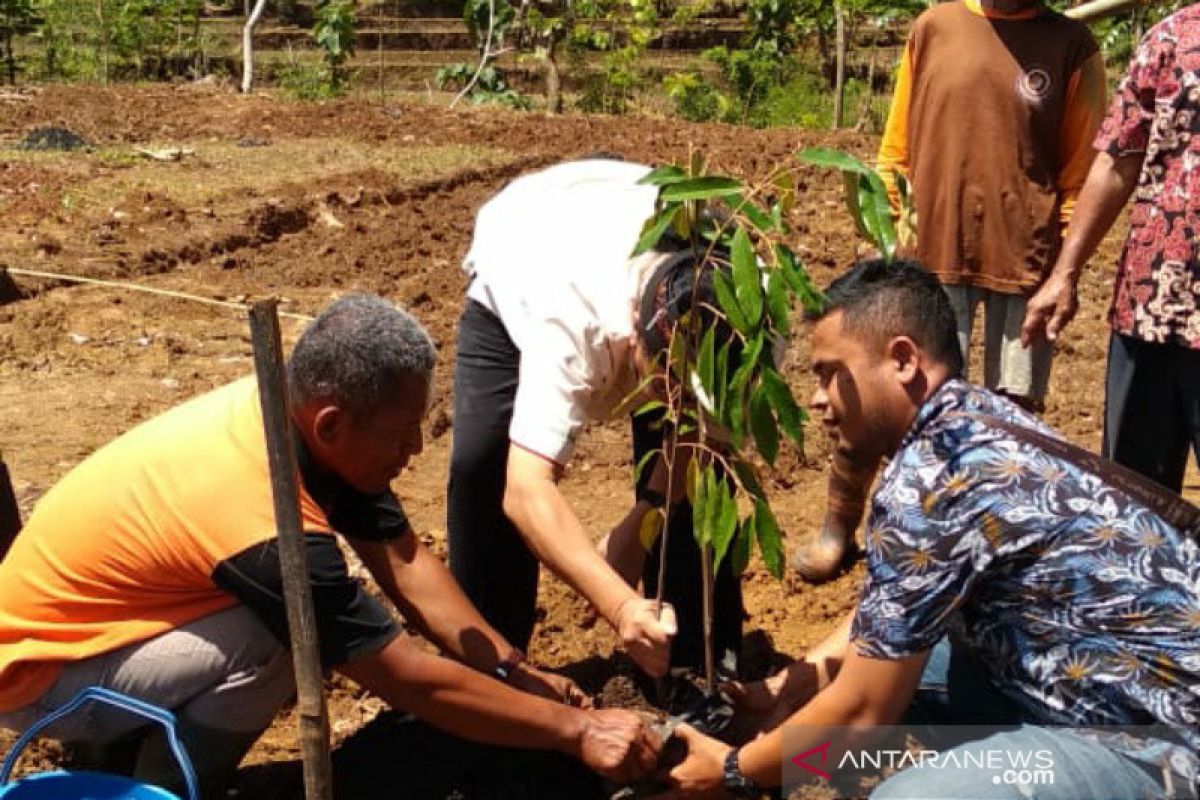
309,201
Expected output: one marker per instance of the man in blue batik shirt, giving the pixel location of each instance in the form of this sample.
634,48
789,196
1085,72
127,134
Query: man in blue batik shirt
1006,585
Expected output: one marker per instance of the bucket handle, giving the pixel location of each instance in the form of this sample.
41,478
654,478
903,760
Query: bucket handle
124,702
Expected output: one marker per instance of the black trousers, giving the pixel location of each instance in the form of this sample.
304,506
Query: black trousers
489,558
1152,408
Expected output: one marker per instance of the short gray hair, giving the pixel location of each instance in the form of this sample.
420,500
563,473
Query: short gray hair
356,352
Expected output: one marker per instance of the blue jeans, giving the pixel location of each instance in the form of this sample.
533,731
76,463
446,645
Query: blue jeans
952,692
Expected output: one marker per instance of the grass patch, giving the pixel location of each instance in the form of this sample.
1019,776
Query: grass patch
224,171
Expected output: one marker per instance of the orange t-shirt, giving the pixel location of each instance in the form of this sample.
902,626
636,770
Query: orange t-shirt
124,547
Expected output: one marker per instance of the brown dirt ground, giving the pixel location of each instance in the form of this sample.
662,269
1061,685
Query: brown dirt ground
306,202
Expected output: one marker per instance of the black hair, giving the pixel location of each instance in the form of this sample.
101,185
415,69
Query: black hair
683,283
356,352
880,299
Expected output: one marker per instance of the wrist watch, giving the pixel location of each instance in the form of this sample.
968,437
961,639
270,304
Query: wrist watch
734,781
504,670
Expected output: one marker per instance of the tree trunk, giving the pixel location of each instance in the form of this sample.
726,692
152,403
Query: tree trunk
864,108
839,78
554,102
248,45
10,59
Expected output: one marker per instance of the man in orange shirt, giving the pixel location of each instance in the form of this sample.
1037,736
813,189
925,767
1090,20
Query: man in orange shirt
152,569
995,106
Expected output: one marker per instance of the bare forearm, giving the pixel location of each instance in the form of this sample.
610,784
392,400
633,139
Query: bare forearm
555,536
427,594
456,699
1109,185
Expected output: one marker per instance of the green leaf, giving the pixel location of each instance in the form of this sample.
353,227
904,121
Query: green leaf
762,424
746,277
735,405
739,554
797,278
664,176
725,523
704,188
777,301
758,218
875,203
748,476
642,463
850,185
727,299
649,407
654,229
790,416
706,366
825,157
721,380
770,540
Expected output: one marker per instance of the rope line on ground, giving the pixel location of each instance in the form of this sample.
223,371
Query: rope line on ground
31,273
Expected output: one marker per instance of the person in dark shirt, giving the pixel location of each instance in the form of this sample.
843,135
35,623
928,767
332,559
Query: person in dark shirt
152,569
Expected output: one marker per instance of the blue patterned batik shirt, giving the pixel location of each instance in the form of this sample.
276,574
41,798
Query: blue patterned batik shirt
1083,604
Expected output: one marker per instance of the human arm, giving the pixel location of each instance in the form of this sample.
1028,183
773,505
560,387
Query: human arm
425,592
1122,142
765,704
893,147
1109,183
626,545
533,501
461,701
866,692
1082,116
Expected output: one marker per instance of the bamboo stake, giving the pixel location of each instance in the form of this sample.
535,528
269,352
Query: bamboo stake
277,421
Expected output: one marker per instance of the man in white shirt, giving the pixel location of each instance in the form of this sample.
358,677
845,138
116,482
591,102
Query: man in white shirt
559,326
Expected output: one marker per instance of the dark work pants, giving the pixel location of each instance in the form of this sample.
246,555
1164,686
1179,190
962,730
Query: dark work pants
489,558
1152,408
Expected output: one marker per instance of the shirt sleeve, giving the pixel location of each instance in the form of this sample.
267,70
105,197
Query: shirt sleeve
1084,111
375,518
1126,129
893,148
552,397
350,623
930,536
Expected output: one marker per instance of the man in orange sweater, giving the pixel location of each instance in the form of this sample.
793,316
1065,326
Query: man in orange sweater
995,106
152,569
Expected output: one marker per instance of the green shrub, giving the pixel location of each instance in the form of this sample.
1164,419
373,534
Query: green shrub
694,98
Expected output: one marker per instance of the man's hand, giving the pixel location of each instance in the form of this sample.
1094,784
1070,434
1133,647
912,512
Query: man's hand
618,745
546,684
645,635
1050,309
700,775
763,705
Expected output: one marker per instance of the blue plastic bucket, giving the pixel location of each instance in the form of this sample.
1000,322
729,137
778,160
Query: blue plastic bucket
65,785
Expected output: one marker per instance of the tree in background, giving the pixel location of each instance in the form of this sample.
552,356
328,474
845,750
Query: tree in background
16,18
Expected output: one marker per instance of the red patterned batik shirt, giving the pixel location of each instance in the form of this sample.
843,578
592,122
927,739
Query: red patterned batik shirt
1156,111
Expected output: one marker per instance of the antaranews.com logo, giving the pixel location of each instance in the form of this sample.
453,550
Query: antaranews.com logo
952,762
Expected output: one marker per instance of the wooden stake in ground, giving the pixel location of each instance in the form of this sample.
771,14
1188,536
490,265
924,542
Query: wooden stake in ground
302,623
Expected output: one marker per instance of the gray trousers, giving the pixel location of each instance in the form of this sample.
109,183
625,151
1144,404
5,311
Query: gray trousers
225,676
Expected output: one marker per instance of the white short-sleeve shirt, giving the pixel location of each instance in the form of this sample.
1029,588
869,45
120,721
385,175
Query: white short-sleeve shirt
551,258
